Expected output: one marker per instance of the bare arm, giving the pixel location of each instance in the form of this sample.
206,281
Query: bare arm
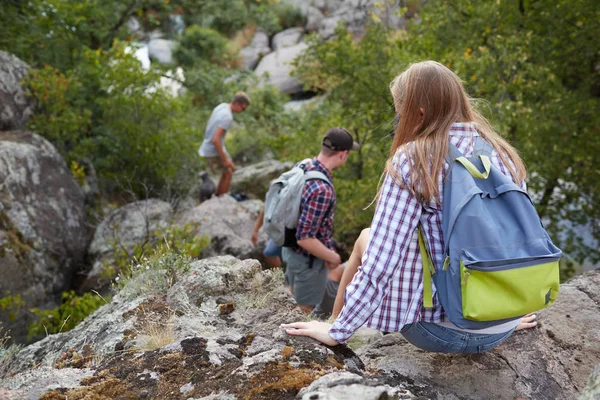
257,226
319,250
350,270
217,141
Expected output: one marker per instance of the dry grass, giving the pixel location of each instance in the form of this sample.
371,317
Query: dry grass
263,288
159,335
156,330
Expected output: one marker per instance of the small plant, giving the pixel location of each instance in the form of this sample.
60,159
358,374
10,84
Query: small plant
159,333
67,316
7,352
173,239
153,275
12,305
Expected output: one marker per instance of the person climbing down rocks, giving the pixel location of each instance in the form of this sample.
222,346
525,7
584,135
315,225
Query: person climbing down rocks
456,258
213,146
299,211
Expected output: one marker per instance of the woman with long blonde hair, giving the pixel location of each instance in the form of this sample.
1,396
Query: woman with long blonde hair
387,291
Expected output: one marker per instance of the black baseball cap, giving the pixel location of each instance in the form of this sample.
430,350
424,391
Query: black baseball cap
339,139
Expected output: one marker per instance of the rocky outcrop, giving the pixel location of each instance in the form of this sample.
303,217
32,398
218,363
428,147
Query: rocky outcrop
287,38
277,66
314,16
325,15
255,179
161,50
43,233
550,362
123,229
257,49
15,107
228,223
216,330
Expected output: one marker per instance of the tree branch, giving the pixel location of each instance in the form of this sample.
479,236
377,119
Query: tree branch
113,31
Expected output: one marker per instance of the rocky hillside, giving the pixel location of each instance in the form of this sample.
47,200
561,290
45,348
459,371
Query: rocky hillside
215,334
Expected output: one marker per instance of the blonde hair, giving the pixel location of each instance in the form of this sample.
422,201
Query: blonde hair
241,98
429,98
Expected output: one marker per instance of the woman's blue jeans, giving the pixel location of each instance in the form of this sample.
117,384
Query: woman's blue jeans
439,339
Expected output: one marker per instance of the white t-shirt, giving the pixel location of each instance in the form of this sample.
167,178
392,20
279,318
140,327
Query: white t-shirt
221,117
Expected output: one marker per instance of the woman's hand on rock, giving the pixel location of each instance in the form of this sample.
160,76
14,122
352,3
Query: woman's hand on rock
314,329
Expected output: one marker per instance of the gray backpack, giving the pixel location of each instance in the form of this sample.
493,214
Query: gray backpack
282,203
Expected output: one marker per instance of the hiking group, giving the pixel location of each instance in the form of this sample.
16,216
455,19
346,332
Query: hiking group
456,258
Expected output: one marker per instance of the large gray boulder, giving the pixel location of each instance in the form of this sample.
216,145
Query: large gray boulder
277,66
356,14
15,107
43,233
551,362
122,230
255,179
228,223
161,50
287,38
257,49
314,16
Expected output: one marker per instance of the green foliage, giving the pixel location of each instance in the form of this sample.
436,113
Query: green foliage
153,275
184,240
62,117
199,44
12,305
67,316
232,18
120,118
287,15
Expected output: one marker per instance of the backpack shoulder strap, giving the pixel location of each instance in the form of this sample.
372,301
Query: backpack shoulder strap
318,175
302,164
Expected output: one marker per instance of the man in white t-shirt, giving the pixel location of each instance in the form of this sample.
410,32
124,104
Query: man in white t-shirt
213,145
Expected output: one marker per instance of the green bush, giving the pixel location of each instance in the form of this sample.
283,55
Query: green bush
136,135
230,19
288,15
11,305
68,315
198,44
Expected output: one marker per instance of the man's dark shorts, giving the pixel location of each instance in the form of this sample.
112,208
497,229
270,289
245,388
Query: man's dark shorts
308,284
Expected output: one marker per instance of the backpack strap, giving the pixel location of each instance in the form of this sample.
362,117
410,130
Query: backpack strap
428,270
310,176
318,175
455,155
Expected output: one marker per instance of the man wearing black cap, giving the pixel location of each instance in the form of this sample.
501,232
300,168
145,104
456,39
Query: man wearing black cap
307,265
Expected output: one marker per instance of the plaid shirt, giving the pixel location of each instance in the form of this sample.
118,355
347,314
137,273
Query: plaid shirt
317,197
387,291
